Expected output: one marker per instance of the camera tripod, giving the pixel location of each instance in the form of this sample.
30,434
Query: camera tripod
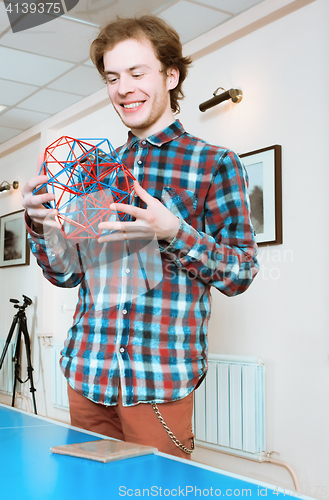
19,320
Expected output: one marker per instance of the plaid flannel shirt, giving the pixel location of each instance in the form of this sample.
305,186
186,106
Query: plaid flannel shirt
152,340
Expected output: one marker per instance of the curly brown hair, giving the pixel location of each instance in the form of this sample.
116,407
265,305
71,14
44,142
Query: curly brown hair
164,39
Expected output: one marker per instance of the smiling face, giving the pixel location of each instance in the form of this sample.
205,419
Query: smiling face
138,88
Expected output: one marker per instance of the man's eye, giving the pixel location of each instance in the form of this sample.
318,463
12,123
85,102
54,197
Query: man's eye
138,75
112,80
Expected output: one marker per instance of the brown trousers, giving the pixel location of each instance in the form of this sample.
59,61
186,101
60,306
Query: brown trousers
136,424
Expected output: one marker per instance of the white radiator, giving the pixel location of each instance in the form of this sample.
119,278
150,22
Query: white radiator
229,406
58,381
7,370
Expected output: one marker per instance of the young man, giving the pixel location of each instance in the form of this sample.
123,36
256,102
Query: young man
132,361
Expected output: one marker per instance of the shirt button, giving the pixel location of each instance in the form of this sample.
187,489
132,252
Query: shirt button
124,311
121,350
127,271
143,143
139,162
53,254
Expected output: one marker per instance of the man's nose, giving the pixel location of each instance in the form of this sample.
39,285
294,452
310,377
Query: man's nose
126,86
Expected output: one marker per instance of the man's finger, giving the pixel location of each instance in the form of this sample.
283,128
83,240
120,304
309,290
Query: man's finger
39,163
38,180
41,213
126,236
116,226
127,227
142,193
40,199
138,213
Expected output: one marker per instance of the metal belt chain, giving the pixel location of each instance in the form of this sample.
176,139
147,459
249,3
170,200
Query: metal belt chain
170,434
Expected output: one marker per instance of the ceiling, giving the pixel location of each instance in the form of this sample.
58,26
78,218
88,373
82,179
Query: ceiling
45,69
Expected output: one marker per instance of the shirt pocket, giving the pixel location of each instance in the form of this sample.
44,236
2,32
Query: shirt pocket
182,204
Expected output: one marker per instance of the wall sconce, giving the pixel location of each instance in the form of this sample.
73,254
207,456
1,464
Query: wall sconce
234,94
5,186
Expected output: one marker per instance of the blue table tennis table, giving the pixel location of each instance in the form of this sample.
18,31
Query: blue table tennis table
29,471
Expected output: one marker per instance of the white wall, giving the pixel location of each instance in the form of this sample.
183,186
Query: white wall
283,72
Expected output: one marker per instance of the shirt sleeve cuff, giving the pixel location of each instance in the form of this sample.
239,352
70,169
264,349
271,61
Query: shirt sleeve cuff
31,230
184,240
51,236
33,233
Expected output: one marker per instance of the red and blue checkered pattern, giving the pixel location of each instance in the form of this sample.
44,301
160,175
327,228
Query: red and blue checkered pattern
153,339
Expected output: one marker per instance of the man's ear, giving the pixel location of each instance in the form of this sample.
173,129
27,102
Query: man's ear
172,77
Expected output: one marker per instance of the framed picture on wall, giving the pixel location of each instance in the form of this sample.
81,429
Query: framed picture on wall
265,192
14,250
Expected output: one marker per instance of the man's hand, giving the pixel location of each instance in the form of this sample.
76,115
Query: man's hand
33,203
156,218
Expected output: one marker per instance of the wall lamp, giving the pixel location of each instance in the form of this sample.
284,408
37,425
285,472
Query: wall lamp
234,94
5,186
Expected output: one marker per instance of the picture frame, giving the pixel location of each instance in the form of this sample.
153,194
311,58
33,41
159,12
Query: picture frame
14,249
265,192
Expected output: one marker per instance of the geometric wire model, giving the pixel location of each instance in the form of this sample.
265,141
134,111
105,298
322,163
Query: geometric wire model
86,176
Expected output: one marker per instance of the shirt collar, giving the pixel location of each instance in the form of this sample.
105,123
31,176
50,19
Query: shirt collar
174,131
